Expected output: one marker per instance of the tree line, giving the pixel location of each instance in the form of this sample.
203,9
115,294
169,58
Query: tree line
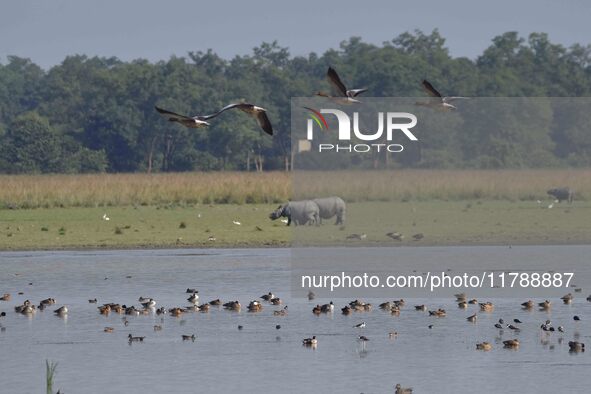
95,114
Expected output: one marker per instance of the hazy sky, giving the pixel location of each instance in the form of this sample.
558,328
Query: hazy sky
48,30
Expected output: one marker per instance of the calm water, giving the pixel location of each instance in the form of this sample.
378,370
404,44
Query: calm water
260,358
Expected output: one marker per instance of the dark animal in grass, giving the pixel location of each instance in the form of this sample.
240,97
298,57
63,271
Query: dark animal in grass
562,194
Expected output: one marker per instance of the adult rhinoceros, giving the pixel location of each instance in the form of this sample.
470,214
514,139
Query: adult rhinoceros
562,193
300,212
331,206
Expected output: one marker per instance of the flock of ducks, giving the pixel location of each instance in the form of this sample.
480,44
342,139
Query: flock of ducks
394,307
341,95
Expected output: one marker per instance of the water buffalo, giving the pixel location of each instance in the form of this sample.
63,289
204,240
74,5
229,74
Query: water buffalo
562,193
300,212
331,206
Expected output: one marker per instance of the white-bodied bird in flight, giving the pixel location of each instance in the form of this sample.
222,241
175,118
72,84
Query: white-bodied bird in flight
442,102
197,121
345,96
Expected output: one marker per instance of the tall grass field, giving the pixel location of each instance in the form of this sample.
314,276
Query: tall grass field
186,189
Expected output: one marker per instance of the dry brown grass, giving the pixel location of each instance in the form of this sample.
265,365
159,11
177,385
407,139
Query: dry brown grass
34,191
424,185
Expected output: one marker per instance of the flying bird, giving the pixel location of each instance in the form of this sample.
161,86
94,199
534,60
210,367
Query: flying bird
345,96
443,102
193,122
197,121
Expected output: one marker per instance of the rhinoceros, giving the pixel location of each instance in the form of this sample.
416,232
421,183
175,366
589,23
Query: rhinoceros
300,212
562,193
331,206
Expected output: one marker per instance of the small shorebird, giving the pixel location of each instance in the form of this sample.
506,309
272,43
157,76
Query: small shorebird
363,338
345,96
360,325
395,236
358,237
472,319
442,102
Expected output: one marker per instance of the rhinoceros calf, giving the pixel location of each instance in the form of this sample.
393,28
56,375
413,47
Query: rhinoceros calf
562,193
331,206
298,212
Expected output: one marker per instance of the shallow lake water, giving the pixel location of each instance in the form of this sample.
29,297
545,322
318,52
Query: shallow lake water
259,358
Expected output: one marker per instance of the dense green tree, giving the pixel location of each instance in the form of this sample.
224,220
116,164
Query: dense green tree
97,114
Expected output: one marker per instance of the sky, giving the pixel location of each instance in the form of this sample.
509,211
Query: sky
46,31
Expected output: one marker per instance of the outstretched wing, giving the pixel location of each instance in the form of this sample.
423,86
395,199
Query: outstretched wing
227,107
453,98
334,79
174,117
251,109
355,92
264,122
430,89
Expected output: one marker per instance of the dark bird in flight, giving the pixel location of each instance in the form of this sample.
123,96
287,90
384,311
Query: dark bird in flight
345,96
442,102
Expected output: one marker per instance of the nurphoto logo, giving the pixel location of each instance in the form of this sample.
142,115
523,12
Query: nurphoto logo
347,130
